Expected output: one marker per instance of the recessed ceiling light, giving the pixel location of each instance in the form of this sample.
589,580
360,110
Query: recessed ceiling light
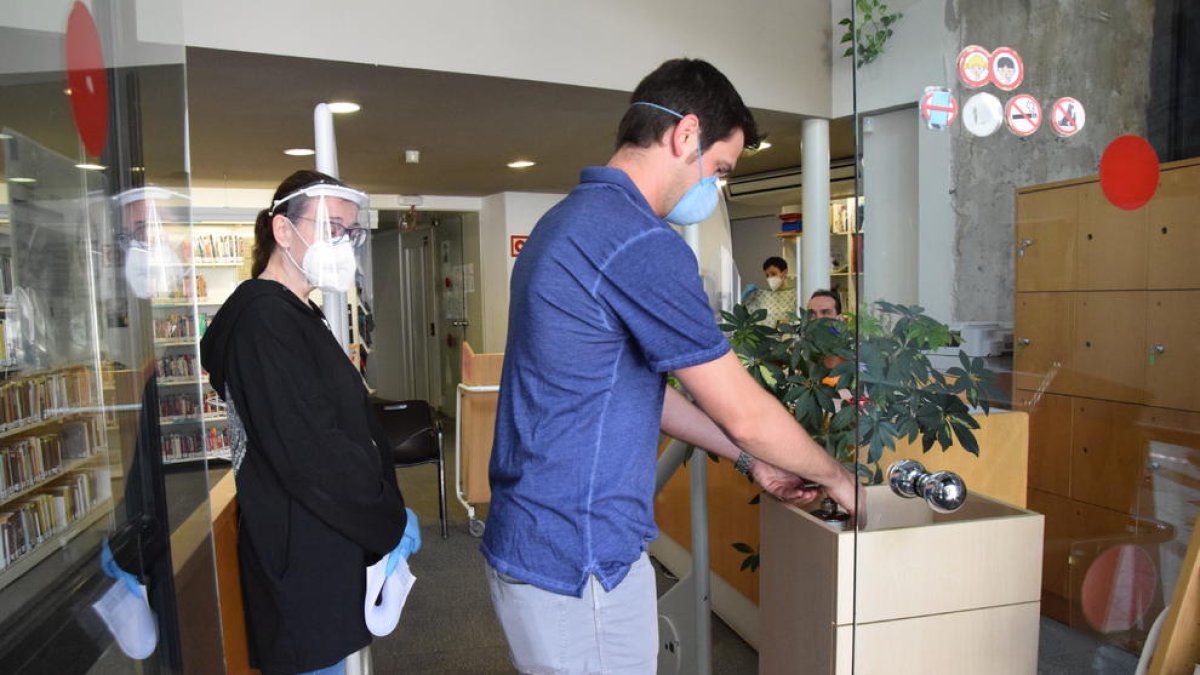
22,179
91,167
67,91
299,152
764,145
521,164
5,137
341,107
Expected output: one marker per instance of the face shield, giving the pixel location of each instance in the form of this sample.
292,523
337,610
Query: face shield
152,265
332,223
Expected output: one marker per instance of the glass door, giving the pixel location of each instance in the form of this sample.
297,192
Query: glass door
1025,319
102,547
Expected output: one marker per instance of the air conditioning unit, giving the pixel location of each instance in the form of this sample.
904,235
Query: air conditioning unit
786,184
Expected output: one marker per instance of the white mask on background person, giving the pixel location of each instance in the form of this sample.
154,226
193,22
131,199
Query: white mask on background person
152,273
775,282
329,267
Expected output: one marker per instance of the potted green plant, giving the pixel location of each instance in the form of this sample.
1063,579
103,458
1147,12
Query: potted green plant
860,385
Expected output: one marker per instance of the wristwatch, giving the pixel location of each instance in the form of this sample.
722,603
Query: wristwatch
743,463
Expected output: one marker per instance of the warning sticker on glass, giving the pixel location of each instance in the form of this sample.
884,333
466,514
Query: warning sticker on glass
1007,69
974,66
939,108
1023,115
1067,117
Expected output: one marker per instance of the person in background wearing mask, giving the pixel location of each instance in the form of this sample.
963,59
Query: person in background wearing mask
316,488
606,299
825,304
779,298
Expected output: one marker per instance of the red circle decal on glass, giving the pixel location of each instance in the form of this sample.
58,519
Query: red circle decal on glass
87,80
1129,172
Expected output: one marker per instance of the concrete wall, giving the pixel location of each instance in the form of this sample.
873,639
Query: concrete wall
1097,52
776,50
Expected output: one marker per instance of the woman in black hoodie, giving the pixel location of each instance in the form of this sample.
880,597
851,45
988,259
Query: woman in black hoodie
316,488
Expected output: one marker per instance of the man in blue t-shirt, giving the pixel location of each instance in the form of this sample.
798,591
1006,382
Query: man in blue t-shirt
606,299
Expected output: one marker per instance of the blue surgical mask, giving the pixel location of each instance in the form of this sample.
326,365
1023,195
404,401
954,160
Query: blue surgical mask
699,202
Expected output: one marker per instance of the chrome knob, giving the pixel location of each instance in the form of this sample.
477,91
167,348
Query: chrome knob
1025,243
944,491
903,475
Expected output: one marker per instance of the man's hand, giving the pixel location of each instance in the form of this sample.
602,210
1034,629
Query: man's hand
786,486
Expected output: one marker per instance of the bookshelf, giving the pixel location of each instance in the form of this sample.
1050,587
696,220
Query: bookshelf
213,259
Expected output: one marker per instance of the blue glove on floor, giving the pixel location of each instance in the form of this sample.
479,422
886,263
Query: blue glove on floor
410,542
748,290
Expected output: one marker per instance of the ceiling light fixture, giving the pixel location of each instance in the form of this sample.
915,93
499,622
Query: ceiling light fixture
342,107
764,145
300,152
22,179
91,167
521,164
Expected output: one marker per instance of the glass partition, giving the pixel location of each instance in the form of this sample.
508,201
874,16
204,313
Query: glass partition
106,534
1030,180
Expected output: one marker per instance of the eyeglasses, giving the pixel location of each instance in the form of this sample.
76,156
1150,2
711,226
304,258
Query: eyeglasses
339,234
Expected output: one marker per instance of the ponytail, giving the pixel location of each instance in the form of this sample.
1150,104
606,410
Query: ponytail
264,243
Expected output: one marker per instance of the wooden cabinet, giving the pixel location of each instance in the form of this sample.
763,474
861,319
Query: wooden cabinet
1046,224
1049,440
1110,244
1172,349
1108,454
1106,359
1044,322
1173,240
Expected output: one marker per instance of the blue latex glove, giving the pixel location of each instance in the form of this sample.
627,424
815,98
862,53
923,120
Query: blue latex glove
111,569
748,291
410,542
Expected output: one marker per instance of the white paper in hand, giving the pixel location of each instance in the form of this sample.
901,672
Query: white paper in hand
386,595
129,618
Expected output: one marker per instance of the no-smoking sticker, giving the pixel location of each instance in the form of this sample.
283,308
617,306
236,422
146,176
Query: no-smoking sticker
516,242
1023,114
1007,70
974,66
938,107
1067,117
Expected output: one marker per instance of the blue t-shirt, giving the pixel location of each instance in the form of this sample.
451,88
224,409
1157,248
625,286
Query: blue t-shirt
606,298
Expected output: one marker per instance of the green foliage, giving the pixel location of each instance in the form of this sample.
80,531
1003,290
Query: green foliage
750,562
872,32
859,386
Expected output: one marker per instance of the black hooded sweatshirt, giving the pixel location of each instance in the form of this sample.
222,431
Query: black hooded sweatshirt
316,488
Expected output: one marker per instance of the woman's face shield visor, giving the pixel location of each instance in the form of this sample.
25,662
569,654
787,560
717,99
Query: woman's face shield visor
337,214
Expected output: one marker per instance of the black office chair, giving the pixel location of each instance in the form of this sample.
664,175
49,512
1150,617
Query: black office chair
416,438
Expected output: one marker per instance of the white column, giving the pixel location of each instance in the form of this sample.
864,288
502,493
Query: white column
333,304
814,166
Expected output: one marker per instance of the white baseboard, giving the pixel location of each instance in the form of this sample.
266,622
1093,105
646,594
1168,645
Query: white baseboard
735,609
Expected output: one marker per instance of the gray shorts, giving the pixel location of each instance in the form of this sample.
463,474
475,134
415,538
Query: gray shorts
613,633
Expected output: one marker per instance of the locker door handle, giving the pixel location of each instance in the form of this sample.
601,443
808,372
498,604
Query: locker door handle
1160,348
432,330
1025,243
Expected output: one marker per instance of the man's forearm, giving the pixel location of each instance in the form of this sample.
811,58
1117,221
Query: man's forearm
682,420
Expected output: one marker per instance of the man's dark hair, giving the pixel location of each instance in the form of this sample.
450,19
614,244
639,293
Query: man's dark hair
824,293
1006,62
687,86
775,261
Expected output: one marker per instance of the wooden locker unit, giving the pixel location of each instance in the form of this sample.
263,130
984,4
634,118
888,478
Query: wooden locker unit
1108,454
1106,359
1172,349
1050,423
1110,244
1045,321
1046,223
1174,235
1111,418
